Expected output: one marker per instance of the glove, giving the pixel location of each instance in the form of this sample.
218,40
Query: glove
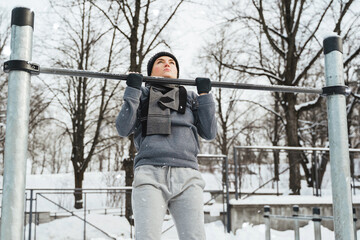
134,80
203,85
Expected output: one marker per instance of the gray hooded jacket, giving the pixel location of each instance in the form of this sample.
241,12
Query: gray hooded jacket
180,148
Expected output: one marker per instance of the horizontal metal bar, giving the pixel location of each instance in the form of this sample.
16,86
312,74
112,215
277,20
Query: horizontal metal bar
187,82
301,217
83,192
81,73
88,190
291,148
211,156
80,189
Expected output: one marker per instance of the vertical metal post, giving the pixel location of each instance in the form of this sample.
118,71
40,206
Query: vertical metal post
85,217
355,220
17,119
276,154
223,197
228,210
296,222
316,174
267,222
25,208
236,175
338,141
317,223
352,166
37,217
30,212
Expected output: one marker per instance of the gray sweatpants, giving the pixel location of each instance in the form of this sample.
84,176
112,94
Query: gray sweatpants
156,189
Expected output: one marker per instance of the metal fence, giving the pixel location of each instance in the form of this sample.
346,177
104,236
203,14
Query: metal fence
259,168
316,218
47,205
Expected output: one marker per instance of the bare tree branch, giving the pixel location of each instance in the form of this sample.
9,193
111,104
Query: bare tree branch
315,30
310,105
265,28
163,27
343,12
309,65
267,109
110,20
352,56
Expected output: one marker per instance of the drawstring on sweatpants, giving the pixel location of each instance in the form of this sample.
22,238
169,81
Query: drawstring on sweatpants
168,177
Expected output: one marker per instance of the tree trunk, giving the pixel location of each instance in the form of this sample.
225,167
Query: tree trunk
79,176
322,167
101,159
77,161
275,139
292,139
134,67
128,166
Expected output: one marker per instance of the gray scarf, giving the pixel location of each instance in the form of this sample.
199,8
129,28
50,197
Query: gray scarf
162,98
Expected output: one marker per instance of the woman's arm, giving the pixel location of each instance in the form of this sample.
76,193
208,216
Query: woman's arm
206,121
127,118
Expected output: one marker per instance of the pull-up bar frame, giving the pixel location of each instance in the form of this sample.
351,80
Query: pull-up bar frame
36,69
186,82
17,119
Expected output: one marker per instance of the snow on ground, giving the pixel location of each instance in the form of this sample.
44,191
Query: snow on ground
72,229
307,232
118,227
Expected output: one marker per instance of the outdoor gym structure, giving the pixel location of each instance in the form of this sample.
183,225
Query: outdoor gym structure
17,117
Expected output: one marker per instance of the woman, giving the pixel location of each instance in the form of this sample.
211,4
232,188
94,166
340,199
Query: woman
166,120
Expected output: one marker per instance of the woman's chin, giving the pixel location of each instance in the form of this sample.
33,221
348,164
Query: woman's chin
165,76
168,76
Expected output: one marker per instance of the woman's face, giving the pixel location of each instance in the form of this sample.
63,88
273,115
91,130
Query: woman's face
164,67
